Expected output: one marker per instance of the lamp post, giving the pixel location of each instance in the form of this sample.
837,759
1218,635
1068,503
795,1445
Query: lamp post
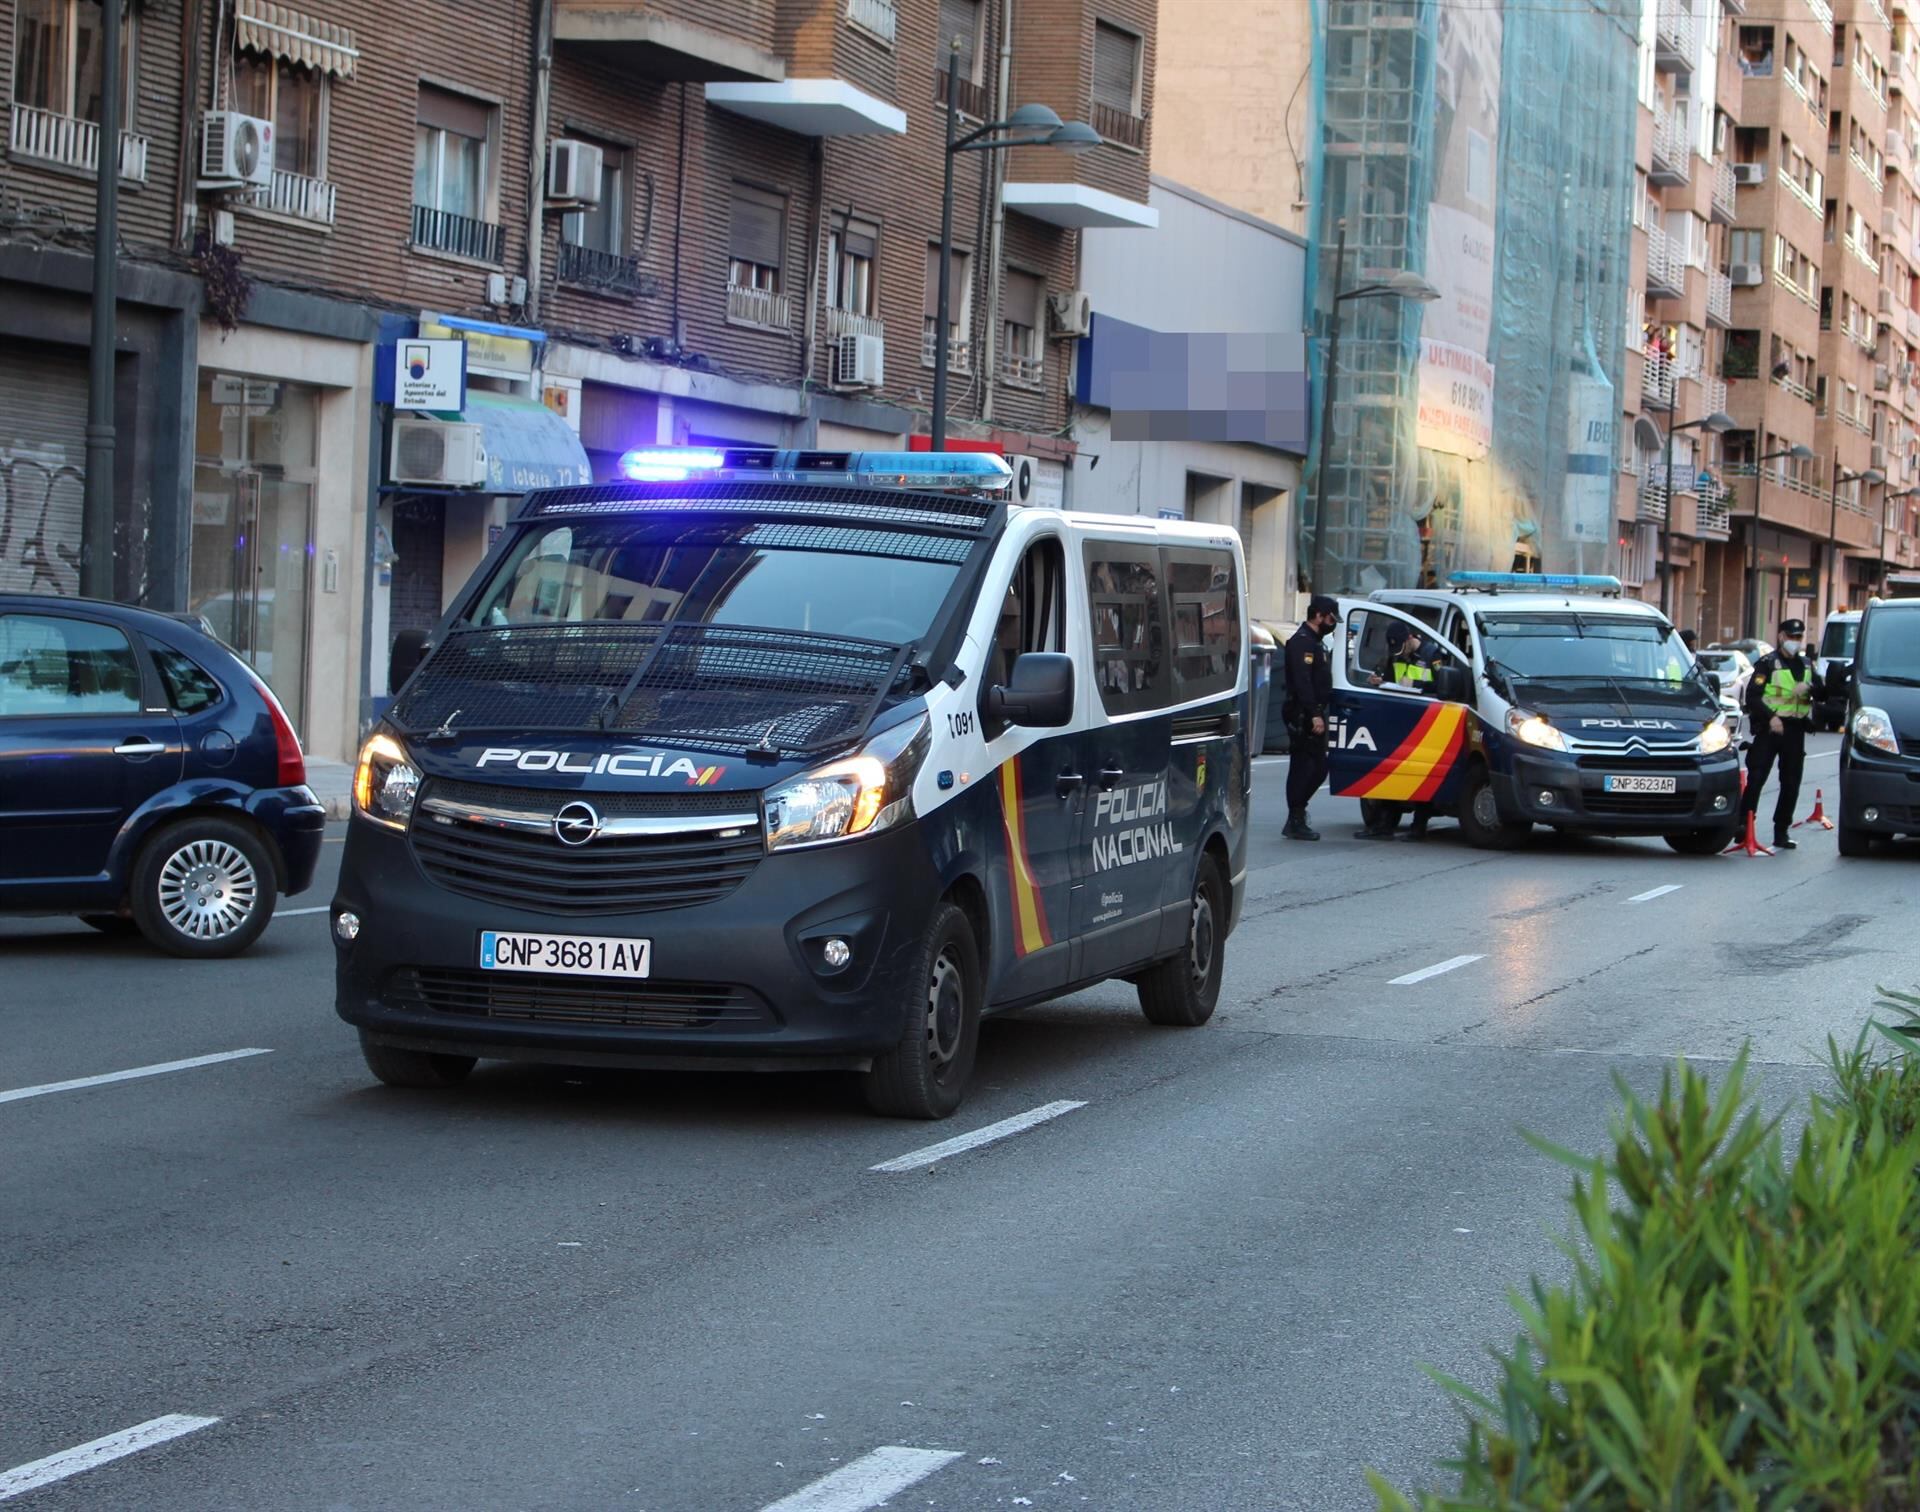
1871,475
1400,285
1719,424
1032,126
1798,453
96,536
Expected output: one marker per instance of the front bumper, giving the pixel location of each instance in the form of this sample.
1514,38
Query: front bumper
1569,793
741,977
1886,786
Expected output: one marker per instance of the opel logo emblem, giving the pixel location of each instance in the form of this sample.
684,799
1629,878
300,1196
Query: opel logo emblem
576,824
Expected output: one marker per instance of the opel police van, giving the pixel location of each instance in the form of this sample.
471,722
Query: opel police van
799,759
1554,701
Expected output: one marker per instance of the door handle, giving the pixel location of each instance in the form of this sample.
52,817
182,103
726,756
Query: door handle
1068,783
135,746
1109,776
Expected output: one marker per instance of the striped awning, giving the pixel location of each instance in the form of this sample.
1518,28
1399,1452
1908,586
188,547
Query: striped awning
283,32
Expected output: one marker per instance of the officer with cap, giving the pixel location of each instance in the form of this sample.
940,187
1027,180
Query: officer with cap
1780,702
1309,697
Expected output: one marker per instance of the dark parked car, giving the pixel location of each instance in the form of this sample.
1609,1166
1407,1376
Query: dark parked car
1880,754
148,780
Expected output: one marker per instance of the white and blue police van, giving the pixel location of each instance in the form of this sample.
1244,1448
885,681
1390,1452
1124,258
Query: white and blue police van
1554,700
799,759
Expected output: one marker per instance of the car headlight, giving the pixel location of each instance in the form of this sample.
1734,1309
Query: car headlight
1715,737
385,782
856,795
1871,727
1534,731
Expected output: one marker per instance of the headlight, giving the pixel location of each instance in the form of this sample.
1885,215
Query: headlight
1715,737
385,782
857,795
1535,731
1871,727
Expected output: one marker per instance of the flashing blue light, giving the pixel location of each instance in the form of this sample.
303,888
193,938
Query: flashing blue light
669,464
1589,581
980,472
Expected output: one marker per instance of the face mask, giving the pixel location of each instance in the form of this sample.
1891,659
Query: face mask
1790,648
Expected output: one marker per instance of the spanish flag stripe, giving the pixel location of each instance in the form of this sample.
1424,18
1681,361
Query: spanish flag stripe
1029,909
1413,774
1455,739
1391,765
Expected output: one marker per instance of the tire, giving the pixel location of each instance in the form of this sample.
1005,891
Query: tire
925,1075
1480,819
114,926
414,1068
1704,842
1181,992
1854,841
204,888
1375,814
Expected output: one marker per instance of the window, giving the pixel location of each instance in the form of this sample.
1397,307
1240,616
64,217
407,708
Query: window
1204,600
294,99
1129,640
56,57
959,310
1116,84
1746,246
756,239
963,30
1033,614
852,246
1022,356
54,665
602,227
189,688
452,175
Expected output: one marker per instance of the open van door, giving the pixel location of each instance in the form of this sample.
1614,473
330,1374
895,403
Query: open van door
1387,743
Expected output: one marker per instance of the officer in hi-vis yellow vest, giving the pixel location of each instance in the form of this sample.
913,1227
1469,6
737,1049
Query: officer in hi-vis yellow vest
1407,668
1780,700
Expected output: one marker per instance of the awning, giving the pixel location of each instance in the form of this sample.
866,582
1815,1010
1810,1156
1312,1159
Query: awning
280,31
528,445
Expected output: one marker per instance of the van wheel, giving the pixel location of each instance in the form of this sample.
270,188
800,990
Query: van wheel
1376,815
1181,992
1480,819
1704,842
203,888
1854,841
414,1068
925,1075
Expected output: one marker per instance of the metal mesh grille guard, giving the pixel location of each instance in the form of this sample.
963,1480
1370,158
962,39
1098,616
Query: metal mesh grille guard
736,687
953,514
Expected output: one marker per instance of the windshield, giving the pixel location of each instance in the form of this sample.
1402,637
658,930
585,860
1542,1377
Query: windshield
1840,638
1893,650
874,585
1573,645
1719,661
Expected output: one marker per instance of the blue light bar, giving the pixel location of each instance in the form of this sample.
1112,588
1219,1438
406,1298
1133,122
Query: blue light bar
670,464
970,472
1590,582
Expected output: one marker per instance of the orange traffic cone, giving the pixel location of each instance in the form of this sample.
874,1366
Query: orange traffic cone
1748,844
1819,814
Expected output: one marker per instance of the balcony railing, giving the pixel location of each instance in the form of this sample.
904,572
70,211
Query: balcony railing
1118,125
1653,503
1775,477
959,353
1715,515
1716,396
970,98
762,308
1673,36
1672,147
1725,193
308,199
1657,383
1720,299
1666,266
71,142
874,16
462,235
603,272
1022,369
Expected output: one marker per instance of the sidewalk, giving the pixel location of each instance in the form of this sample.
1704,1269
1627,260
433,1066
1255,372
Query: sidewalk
332,782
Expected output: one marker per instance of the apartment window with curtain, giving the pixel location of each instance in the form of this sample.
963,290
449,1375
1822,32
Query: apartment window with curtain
294,99
56,84
959,308
963,24
1116,84
452,176
756,258
1022,313
852,249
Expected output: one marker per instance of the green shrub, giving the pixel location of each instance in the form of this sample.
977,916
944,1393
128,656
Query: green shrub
1741,1330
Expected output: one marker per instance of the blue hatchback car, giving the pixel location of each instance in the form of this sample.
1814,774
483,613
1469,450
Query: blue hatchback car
149,780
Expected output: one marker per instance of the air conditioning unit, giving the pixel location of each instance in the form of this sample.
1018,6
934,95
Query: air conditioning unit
573,173
1026,478
860,361
442,453
1749,174
1747,275
1877,457
235,150
1886,301
1071,313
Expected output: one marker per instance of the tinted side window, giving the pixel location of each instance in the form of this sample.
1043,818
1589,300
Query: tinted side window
50,664
1129,638
1204,601
189,687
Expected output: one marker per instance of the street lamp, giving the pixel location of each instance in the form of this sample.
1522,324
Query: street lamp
1403,284
1719,423
1799,453
1871,475
1032,126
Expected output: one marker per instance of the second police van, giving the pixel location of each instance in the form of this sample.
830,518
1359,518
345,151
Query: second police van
1554,701
799,759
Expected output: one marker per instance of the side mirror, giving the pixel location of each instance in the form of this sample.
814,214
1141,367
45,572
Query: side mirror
1712,680
1450,682
1038,695
1840,679
409,650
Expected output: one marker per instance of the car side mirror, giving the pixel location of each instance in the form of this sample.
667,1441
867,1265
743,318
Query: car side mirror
409,650
1712,680
1038,694
1450,682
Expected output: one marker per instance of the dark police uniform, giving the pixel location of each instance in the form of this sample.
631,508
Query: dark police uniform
1786,688
1309,694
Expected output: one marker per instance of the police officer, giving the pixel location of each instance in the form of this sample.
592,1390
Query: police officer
1406,668
1676,670
1780,702
1309,697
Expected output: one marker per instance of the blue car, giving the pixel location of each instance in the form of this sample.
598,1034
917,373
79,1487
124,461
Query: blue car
149,781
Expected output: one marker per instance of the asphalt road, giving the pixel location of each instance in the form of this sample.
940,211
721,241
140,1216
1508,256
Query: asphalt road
1210,1287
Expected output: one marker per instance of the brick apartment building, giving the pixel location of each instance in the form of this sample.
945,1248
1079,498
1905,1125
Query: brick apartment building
1776,255
768,177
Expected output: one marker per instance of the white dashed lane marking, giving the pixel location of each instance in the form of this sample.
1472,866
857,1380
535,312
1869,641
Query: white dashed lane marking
1656,892
1018,1124
1433,971
20,1094
867,1482
68,1462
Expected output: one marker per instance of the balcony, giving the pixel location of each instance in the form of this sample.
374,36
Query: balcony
1714,520
1719,300
460,235
1725,192
969,98
811,107
1672,149
959,353
1716,396
1653,504
874,17
635,38
1022,369
294,194
1666,266
1121,126
763,309
71,143
603,272
1657,379
1674,44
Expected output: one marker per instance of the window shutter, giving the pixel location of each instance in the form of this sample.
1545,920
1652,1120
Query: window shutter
758,230
1020,302
932,308
1114,56
858,243
455,113
959,18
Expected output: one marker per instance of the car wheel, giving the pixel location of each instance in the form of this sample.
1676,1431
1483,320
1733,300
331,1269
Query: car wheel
1181,992
1480,819
925,1075
1704,842
204,887
1376,815
118,926
414,1068
1853,840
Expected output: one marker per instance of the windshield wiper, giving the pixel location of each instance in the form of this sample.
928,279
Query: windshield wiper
1899,679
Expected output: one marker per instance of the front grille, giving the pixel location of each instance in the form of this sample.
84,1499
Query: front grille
608,875
1638,804
576,1000
1639,763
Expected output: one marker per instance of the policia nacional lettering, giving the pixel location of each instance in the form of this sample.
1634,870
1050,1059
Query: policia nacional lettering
1129,840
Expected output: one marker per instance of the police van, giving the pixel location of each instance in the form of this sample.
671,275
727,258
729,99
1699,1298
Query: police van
799,759
1553,700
